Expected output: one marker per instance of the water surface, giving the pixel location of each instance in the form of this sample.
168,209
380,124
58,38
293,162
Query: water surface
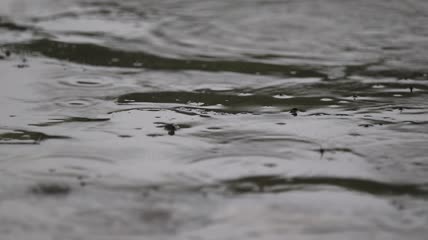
213,119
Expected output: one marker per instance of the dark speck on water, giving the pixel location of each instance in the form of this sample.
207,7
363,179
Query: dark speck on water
203,119
21,65
322,151
294,111
270,165
171,128
125,136
51,189
24,64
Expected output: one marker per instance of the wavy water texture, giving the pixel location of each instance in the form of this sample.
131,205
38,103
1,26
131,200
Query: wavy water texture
212,119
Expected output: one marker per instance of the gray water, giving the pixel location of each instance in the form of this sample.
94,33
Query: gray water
203,119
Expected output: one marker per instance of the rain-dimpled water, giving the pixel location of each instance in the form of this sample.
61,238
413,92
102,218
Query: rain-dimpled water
213,119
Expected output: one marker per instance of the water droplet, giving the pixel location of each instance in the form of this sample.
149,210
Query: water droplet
245,94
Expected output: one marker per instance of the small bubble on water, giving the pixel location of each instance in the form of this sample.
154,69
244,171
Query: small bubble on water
137,64
378,86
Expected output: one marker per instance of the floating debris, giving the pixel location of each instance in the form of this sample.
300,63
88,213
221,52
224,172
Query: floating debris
171,128
322,151
294,111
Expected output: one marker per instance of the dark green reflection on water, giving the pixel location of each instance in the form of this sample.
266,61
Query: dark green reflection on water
92,54
279,184
8,25
209,98
399,73
26,137
68,120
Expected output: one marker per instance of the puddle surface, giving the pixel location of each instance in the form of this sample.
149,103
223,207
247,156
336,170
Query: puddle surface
213,119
